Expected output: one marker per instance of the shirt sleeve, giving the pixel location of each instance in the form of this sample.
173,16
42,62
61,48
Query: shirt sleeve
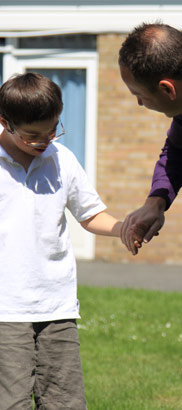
83,200
167,177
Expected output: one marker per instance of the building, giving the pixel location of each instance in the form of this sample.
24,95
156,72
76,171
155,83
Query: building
76,43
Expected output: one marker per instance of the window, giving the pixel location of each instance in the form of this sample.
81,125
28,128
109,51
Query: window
75,70
73,85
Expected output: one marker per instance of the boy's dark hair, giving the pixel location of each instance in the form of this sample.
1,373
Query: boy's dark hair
29,97
152,52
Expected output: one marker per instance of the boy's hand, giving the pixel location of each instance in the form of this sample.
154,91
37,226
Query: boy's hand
142,224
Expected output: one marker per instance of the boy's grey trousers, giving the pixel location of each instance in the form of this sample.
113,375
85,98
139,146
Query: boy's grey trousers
43,359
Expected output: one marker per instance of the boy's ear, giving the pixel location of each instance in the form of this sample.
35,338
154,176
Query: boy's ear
168,87
4,122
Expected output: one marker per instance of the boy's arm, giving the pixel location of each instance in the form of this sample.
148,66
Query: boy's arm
103,224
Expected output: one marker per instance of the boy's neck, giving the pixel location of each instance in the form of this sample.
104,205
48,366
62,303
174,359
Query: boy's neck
18,155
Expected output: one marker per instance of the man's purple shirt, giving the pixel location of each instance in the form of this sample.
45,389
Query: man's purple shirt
167,177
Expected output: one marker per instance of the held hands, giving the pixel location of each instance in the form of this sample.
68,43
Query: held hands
142,224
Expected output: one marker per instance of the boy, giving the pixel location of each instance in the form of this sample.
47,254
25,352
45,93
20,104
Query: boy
39,178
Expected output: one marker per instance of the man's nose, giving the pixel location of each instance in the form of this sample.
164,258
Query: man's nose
139,101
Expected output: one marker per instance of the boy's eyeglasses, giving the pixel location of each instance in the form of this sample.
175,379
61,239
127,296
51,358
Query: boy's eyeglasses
34,144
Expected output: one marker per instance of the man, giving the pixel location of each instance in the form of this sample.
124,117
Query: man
150,62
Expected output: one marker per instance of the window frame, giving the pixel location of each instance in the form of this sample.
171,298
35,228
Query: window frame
18,60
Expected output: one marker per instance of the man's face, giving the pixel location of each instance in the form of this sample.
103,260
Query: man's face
157,100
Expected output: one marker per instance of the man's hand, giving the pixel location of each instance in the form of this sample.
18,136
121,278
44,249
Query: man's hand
142,224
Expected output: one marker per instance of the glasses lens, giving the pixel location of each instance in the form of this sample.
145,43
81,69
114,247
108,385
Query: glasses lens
52,137
37,144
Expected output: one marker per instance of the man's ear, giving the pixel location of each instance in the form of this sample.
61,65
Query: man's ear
168,87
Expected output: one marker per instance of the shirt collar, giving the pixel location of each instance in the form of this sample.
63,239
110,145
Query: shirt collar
50,151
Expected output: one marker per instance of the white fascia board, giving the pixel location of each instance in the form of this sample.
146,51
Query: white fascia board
49,20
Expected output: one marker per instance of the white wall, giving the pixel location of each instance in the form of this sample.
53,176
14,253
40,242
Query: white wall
96,19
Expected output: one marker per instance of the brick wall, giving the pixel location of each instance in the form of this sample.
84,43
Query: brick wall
129,141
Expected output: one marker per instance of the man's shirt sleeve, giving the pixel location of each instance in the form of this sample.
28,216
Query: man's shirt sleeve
167,177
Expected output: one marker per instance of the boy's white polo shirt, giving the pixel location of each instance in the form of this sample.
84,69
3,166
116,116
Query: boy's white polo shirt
37,264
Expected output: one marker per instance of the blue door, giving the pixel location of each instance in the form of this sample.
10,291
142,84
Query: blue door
73,85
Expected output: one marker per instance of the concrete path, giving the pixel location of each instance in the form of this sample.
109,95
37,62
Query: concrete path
154,277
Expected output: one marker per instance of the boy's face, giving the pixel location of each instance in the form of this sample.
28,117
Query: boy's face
33,138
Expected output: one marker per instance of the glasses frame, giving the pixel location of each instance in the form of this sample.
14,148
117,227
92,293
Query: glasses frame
35,144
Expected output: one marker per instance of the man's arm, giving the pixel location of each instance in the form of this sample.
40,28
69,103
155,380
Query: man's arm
144,223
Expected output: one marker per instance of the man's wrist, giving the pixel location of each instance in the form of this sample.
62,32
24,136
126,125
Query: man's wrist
156,201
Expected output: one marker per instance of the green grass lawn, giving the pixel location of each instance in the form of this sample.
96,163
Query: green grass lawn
131,348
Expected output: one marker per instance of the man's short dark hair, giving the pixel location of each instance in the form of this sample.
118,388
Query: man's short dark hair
152,52
30,97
